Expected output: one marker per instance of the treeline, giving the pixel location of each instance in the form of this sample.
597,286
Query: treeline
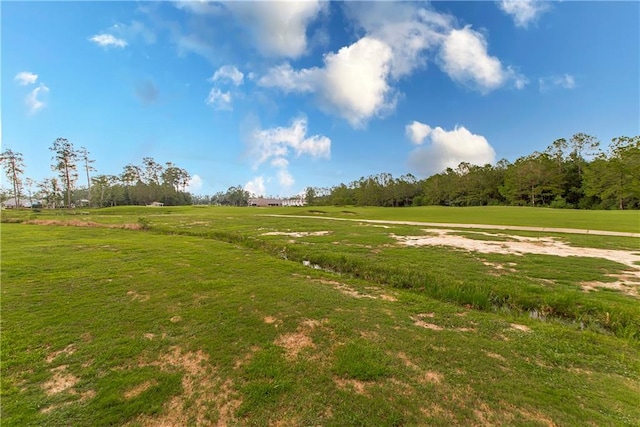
136,185
568,174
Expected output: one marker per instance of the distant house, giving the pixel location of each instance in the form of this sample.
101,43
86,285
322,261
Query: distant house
156,204
264,202
11,203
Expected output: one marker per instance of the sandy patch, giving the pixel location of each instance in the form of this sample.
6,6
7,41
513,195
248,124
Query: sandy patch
628,283
349,291
149,336
270,320
433,377
495,356
522,328
139,389
518,245
423,324
175,319
297,233
138,297
68,350
61,381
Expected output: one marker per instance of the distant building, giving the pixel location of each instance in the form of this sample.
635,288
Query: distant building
156,204
11,203
262,202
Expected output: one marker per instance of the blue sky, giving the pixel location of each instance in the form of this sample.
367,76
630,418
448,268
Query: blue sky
277,97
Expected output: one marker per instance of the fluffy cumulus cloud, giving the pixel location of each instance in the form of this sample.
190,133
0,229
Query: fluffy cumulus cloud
108,40
228,73
447,149
352,83
226,77
277,145
256,186
279,29
565,81
219,100
409,30
465,59
281,142
25,78
358,81
417,132
523,12
34,99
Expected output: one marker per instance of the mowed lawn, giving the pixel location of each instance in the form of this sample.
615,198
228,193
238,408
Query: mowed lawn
120,327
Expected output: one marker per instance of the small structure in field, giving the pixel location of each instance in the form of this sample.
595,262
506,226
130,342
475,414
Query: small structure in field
156,204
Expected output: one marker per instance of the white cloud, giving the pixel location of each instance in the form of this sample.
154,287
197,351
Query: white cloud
277,143
523,11
565,81
228,73
106,40
357,82
219,100
195,184
278,28
256,186
26,78
449,149
32,100
465,59
409,30
352,84
417,132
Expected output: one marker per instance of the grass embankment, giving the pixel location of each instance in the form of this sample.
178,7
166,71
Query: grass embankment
111,327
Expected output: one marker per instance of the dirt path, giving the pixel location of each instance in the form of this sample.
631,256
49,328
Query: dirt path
473,226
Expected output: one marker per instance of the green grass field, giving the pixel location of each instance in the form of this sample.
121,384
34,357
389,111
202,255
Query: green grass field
218,316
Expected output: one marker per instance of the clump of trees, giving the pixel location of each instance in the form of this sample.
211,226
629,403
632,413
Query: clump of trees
568,174
136,185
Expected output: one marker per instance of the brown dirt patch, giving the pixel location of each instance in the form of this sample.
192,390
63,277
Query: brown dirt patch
423,324
138,297
386,297
628,283
204,392
149,336
294,343
495,356
139,389
522,328
433,377
360,387
297,233
175,319
68,350
520,245
61,381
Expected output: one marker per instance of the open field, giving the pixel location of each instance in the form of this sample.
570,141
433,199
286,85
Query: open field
224,316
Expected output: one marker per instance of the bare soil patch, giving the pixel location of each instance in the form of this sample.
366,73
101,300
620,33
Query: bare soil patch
360,387
68,350
297,233
138,297
294,343
520,245
139,389
204,392
61,381
521,328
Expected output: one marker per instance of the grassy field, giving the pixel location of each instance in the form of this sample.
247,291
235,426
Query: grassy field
222,316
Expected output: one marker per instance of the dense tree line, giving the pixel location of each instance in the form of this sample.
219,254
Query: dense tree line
568,174
136,185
